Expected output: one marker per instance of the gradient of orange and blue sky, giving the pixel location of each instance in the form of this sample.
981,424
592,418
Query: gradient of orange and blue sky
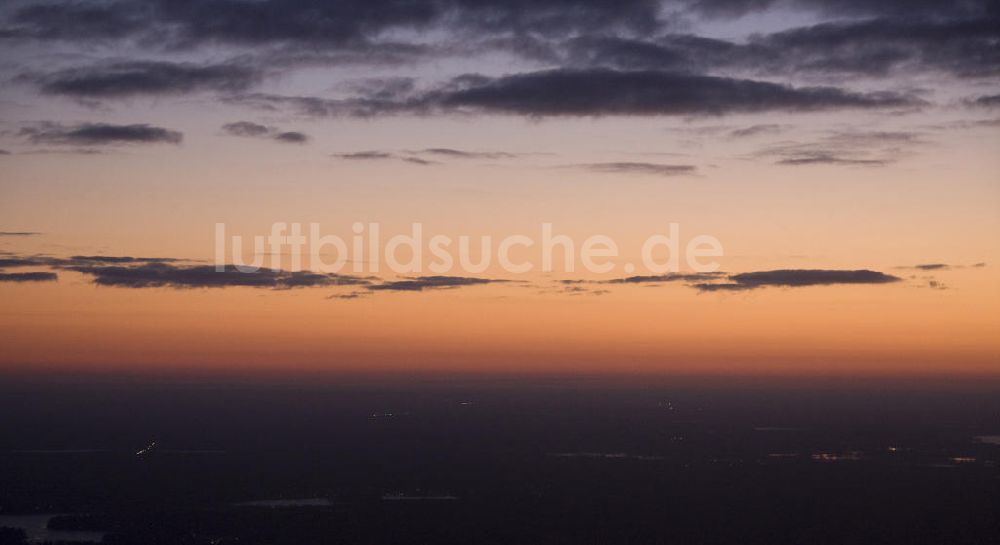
804,135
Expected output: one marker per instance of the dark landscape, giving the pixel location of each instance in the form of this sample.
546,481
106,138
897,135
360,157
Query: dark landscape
504,461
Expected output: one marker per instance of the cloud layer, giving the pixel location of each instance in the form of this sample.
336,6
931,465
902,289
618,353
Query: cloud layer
568,58
166,272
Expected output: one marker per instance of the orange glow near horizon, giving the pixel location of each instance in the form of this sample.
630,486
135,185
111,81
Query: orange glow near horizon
942,207
669,329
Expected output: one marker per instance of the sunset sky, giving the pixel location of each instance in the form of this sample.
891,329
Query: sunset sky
807,137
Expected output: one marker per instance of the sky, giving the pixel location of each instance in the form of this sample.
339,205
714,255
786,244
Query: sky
842,152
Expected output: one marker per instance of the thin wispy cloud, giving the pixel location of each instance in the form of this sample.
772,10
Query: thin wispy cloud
845,148
422,283
349,296
249,129
376,155
756,130
13,260
580,290
77,259
452,153
648,169
427,156
822,158
660,278
370,155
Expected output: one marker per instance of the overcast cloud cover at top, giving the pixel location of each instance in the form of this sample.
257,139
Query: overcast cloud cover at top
621,57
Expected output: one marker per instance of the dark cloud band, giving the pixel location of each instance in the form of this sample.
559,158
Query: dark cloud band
144,78
163,275
99,134
28,277
592,93
796,278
